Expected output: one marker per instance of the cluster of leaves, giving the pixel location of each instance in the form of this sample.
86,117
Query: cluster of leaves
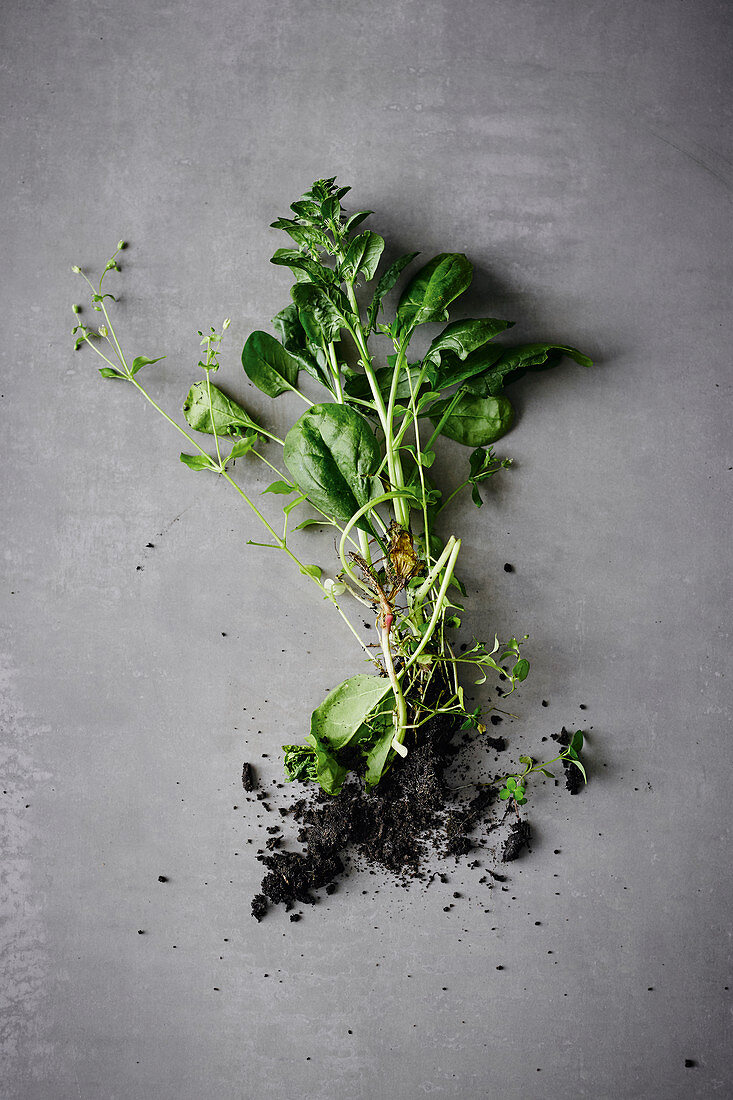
359,460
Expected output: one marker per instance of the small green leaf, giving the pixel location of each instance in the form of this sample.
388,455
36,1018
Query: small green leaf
108,372
505,794
243,446
283,487
520,670
266,363
511,783
142,361
547,772
311,571
329,772
198,462
525,760
577,741
356,219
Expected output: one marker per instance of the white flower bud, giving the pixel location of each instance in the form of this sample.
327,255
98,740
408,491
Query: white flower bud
102,330
227,323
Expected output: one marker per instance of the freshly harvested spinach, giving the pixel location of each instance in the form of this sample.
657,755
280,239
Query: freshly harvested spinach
358,457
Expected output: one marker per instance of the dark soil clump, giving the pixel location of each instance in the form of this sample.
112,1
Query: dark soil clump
413,813
519,837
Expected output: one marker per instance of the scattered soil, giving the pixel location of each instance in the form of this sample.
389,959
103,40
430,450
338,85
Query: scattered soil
412,815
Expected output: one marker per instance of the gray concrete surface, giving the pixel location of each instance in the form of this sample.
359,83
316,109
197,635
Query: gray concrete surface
579,152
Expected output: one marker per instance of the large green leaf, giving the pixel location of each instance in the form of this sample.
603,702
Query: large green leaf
385,284
229,418
266,363
362,256
474,421
322,315
515,362
460,338
332,454
343,711
432,290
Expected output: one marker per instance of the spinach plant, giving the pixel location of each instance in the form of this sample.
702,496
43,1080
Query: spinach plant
358,461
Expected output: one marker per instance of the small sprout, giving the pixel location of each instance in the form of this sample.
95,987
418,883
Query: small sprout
76,309
121,245
334,588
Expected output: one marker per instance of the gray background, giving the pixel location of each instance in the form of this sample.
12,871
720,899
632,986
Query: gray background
576,150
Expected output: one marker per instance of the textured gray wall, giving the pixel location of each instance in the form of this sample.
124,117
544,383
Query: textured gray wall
577,151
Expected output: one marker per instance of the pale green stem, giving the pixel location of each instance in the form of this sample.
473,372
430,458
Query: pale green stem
437,610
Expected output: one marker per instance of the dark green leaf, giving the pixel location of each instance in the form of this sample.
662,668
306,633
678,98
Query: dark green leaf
577,741
432,290
521,669
332,454
463,337
293,338
515,362
266,363
385,284
474,421
229,417
198,462
453,370
345,709
356,219
362,256
143,361
322,314
547,772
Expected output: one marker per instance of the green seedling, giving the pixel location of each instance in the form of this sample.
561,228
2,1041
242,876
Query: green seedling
514,787
358,462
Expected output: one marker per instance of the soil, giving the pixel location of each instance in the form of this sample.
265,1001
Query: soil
413,815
